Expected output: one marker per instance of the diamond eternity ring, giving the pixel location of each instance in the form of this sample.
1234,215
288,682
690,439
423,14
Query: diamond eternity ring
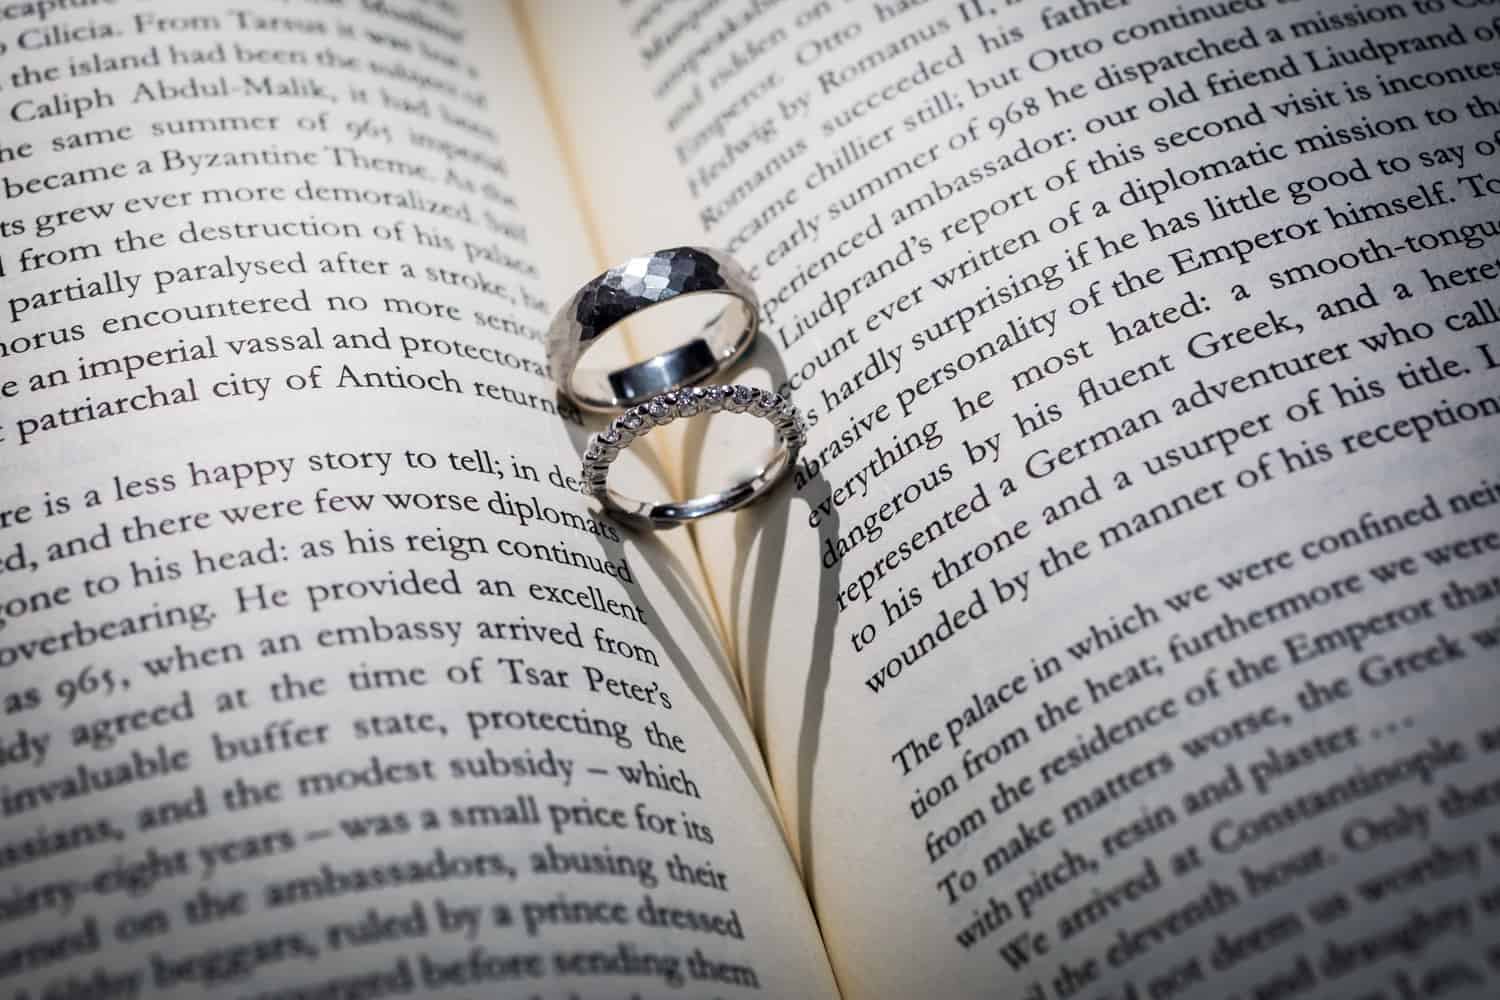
605,447
637,285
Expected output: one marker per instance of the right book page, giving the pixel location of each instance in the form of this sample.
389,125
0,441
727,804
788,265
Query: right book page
1131,627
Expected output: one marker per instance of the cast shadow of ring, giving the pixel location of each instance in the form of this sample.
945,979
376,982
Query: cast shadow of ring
764,529
678,581
644,547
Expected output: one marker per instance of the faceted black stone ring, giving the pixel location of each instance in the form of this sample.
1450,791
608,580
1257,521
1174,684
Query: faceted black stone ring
636,285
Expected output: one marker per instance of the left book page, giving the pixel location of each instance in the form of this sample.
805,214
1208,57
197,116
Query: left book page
316,676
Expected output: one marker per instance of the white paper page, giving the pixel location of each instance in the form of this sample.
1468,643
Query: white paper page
317,675
1129,630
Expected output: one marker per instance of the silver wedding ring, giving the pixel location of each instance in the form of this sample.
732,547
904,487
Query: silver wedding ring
605,447
637,285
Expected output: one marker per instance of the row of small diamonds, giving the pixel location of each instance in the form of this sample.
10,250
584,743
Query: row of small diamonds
605,447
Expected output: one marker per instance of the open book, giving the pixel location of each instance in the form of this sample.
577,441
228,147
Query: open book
319,678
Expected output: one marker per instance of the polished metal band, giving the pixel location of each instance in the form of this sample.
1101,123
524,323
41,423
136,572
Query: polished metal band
605,447
636,285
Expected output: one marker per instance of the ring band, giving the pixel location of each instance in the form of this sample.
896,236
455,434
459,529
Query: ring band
605,447
636,285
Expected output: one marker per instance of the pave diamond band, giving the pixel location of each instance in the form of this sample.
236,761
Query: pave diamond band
637,285
605,447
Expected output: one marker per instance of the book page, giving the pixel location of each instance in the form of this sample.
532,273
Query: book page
318,677
1131,625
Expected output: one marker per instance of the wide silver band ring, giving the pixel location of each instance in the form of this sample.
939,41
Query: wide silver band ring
605,447
636,285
